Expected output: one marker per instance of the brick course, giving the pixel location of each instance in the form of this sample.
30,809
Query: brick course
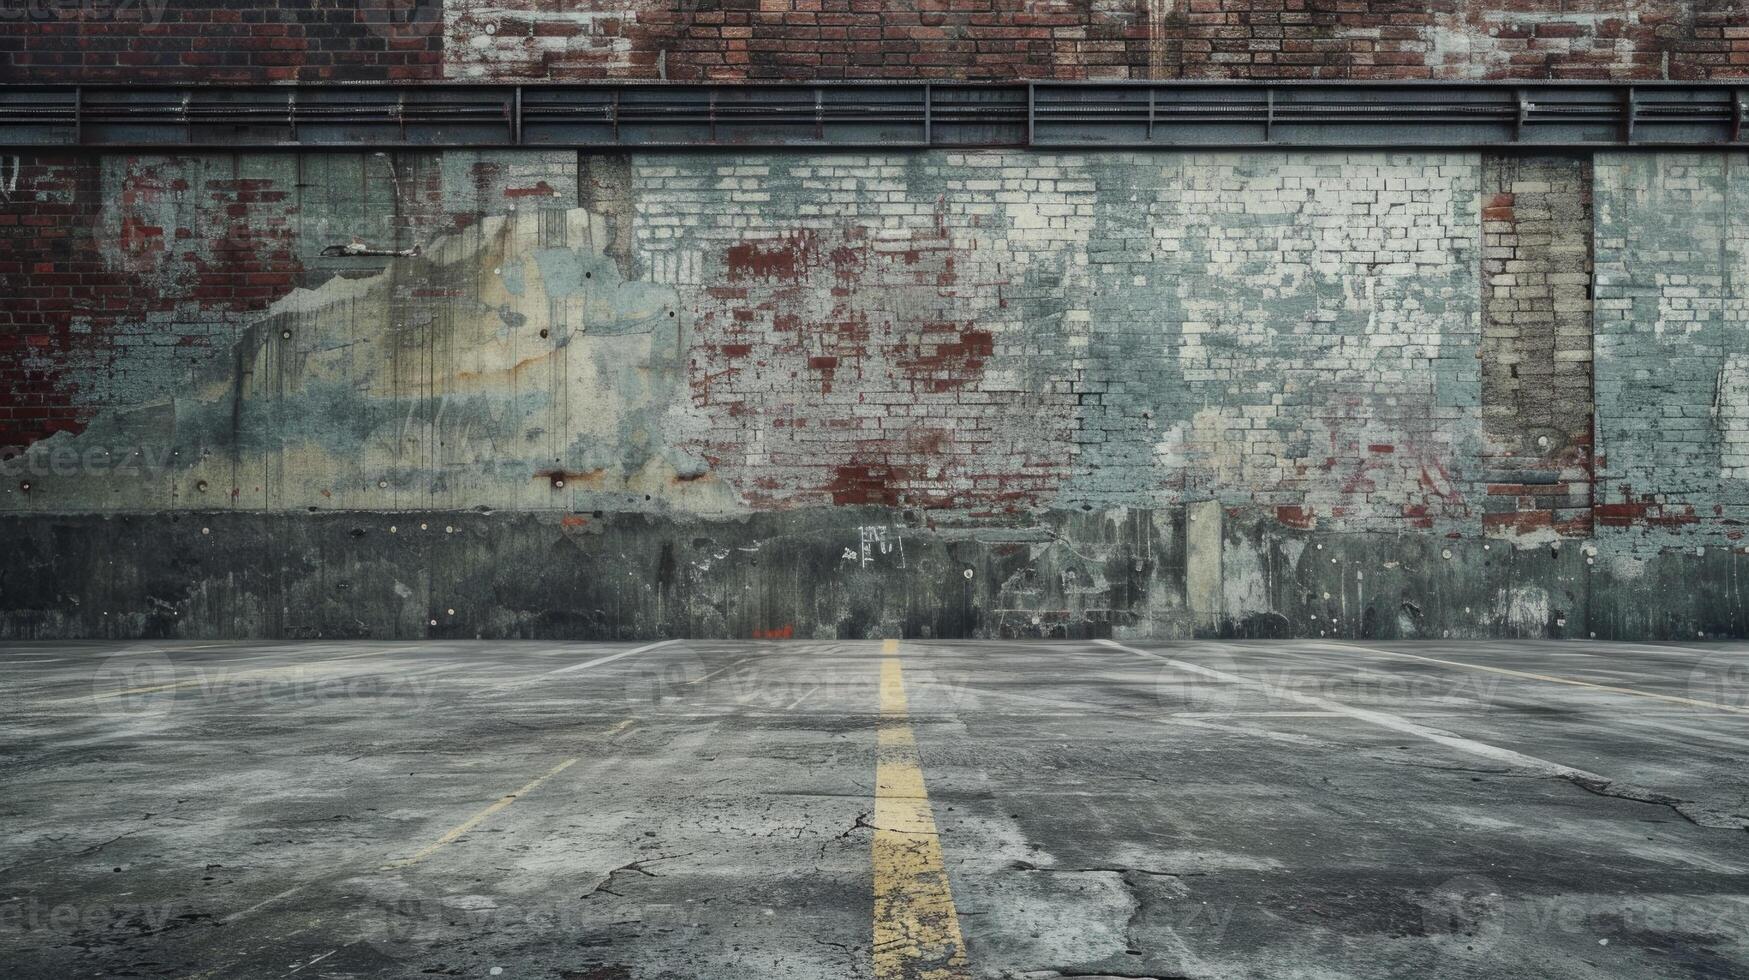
875,329
1295,332
222,41
986,333
1011,330
374,40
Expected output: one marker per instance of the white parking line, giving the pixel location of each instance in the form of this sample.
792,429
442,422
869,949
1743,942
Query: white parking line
1547,678
515,685
1381,719
609,658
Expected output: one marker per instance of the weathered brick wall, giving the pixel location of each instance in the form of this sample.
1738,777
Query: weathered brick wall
110,270
248,40
1360,351
994,332
45,241
1296,332
126,275
1671,335
1536,345
877,329
1100,39
1006,331
221,40
980,333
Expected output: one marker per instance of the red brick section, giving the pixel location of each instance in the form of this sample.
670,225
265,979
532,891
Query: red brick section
997,39
222,41
855,366
76,279
166,252
373,40
41,266
53,278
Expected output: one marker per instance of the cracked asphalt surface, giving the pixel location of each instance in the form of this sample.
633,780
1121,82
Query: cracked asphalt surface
703,808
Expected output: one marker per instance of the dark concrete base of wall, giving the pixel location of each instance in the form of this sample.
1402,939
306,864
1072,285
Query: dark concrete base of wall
841,573
844,573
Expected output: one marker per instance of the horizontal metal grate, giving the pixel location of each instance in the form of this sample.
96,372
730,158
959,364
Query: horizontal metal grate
1057,115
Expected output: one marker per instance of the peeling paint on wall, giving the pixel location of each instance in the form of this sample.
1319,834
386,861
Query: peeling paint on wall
509,365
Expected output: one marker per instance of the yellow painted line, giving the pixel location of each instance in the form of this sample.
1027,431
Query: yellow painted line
916,928
1508,672
477,819
226,677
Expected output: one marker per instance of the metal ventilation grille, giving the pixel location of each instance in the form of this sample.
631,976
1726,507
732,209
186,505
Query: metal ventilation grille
874,115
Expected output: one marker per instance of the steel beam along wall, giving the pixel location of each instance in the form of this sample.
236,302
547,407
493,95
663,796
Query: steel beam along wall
604,117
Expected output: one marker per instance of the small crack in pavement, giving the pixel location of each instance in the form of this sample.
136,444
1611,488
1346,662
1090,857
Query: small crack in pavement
1029,866
635,866
1609,789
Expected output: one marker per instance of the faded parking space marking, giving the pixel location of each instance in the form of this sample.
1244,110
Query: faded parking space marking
1550,678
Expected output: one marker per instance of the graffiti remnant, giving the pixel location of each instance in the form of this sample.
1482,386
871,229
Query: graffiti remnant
876,542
